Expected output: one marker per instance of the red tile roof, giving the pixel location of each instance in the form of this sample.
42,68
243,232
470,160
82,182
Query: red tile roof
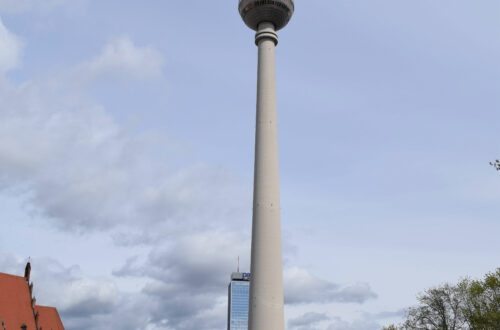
15,303
48,318
16,307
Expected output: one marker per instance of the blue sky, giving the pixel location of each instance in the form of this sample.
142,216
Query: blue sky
126,155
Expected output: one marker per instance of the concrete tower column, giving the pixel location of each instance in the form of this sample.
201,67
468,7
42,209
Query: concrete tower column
266,285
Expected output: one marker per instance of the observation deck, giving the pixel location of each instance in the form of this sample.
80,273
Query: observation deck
276,12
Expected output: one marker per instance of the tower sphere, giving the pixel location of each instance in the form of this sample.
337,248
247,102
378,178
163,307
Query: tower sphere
277,12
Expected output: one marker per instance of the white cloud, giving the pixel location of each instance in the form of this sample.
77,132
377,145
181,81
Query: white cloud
122,58
186,289
84,171
308,321
12,264
363,323
188,277
77,297
301,287
10,49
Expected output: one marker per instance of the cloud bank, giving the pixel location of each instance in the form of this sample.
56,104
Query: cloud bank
78,169
85,172
308,321
303,287
11,47
122,58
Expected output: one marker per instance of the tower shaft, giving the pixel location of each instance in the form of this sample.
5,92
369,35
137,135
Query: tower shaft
266,286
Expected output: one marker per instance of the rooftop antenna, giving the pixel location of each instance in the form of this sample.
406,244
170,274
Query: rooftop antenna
238,264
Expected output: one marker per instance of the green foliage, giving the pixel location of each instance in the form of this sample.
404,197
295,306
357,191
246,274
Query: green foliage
468,305
482,304
440,308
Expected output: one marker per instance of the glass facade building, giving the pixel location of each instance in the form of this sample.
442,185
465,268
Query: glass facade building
238,301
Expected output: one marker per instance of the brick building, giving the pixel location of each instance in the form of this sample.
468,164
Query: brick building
18,308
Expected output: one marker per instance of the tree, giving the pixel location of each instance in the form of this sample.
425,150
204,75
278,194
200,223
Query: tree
468,305
482,305
391,327
496,164
440,308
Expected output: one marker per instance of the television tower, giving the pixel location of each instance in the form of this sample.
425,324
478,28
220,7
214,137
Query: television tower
266,284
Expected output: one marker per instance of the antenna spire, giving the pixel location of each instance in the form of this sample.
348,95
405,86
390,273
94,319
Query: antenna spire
27,271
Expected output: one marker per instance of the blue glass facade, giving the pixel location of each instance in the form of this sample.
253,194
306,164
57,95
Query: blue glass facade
239,293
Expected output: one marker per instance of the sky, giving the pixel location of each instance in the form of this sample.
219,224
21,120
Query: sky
126,156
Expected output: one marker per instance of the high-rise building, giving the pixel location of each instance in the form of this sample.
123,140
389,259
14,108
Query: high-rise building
266,286
238,294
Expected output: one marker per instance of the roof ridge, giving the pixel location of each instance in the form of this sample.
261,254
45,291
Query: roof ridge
10,275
